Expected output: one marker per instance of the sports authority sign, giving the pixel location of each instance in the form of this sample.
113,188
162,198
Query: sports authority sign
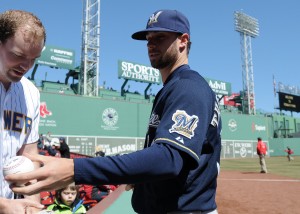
137,72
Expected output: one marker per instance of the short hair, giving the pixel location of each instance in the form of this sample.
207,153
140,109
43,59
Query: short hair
12,20
258,138
71,187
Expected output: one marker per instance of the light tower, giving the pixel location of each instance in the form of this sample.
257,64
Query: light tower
247,27
89,70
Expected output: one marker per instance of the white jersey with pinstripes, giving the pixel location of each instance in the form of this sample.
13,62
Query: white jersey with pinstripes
19,116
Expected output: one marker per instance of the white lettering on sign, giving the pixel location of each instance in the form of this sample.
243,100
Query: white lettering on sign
126,148
62,60
140,72
68,53
260,128
216,85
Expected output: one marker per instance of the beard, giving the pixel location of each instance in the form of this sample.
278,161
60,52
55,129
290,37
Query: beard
166,60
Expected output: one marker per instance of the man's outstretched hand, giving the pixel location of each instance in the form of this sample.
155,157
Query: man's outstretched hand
55,173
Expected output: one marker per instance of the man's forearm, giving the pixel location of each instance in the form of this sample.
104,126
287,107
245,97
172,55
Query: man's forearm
36,197
2,204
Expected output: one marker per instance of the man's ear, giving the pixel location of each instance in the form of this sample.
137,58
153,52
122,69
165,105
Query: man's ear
184,39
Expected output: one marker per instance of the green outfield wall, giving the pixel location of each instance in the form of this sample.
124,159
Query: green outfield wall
89,116
279,145
119,126
244,127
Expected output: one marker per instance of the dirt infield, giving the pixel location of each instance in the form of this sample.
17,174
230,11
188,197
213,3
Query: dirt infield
255,193
237,193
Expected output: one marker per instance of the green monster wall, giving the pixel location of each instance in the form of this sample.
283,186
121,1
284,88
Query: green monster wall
77,115
119,126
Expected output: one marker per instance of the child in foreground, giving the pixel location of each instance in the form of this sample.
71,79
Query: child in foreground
67,201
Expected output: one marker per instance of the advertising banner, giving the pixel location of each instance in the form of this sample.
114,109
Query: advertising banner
219,87
138,72
57,57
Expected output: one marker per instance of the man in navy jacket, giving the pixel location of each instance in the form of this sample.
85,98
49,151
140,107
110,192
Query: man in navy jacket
177,170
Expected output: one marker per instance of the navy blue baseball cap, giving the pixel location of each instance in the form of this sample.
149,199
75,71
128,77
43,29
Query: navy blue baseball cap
165,20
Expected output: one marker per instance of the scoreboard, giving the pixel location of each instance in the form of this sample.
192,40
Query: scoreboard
289,102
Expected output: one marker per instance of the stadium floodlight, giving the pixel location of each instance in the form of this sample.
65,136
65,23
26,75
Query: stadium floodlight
246,24
248,28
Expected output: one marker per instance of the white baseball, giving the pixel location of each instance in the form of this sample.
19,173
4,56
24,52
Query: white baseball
18,164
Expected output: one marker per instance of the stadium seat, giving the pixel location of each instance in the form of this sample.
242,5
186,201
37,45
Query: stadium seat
87,201
47,198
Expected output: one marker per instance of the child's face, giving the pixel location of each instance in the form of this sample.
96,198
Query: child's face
68,196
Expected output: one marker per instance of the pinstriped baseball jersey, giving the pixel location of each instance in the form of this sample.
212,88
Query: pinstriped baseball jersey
19,114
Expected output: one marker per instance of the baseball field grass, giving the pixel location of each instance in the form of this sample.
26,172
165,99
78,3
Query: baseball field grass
275,165
237,192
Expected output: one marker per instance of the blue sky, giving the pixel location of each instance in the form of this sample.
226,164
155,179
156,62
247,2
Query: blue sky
215,53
